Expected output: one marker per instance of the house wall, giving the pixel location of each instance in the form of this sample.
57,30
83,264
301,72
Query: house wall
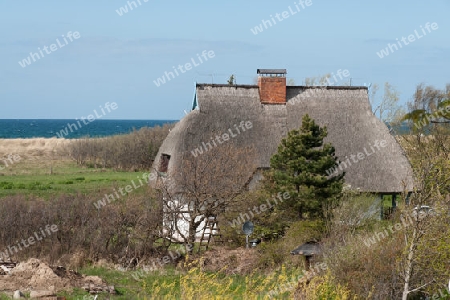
176,222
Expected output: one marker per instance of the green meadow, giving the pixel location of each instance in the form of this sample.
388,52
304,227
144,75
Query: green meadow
62,177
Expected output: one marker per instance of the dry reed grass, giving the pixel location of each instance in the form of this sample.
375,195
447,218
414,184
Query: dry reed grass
34,149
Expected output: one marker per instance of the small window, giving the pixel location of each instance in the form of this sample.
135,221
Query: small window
164,164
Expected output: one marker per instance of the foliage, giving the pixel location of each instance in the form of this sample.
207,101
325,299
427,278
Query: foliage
199,284
123,232
422,117
195,283
428,97
130,152
366,269
429,105
268,222
276,253
231,80
240,210
323,287
356,211
408,261
432,253
300,169
429,155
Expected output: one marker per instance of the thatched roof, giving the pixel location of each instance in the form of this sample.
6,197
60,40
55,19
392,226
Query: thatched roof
307,249
352,127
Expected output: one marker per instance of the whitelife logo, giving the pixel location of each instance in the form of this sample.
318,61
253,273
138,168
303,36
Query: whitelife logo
262,208
161,262
293,283
411,38
90,118
128,189
9,161
266,24
433,117
49,229
187,67
407,221
48,50
124,9
222,138
339,73
356,158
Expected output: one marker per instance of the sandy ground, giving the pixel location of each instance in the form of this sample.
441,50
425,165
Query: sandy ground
36,148
39,278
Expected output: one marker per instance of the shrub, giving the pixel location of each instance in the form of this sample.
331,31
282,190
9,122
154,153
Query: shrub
6,185
123,232
322,287
277,253
130,152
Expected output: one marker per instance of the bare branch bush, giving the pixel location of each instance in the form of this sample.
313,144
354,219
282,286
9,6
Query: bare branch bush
430,156
405,256
205,187
123,232
130,152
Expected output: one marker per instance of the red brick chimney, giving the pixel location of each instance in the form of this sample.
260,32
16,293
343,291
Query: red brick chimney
272,86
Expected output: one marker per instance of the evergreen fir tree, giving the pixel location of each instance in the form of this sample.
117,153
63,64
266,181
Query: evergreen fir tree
299,168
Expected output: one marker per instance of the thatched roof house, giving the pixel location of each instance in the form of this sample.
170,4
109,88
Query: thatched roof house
370,155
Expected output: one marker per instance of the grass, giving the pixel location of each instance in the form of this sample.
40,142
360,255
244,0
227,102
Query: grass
64,177
126,287
172,284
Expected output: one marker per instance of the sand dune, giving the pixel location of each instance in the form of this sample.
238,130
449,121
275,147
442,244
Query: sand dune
33,148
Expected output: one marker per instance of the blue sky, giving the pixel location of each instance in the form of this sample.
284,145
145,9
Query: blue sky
118,58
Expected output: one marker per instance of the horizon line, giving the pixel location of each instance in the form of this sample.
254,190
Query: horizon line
94,120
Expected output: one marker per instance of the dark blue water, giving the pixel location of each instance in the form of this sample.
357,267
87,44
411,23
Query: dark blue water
30,128
70,129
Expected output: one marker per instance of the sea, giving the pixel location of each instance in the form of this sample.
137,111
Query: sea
71,129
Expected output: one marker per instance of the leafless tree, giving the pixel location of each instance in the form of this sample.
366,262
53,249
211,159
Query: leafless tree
387,108
203,186
428,205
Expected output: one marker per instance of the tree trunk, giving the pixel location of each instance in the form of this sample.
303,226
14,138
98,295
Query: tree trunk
409,265
192,230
